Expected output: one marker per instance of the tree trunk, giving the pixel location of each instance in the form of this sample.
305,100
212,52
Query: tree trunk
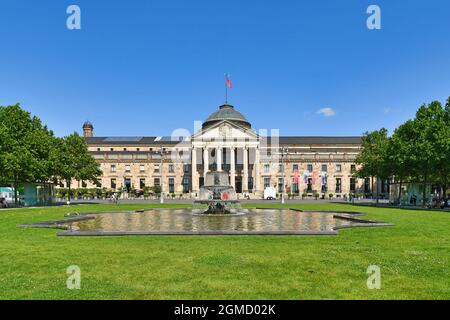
15,186
400,192
378,191
424,192
372,188
68,185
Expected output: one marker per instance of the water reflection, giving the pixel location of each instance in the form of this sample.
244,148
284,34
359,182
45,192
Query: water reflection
182,220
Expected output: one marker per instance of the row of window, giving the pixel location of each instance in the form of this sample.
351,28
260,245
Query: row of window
156,168
127,185
125,149
186,168
324,185
309,168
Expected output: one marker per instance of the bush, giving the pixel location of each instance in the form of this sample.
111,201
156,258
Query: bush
331,196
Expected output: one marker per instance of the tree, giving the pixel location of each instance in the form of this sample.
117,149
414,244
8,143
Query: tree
373,156
73,161
399,151
430,147
25,145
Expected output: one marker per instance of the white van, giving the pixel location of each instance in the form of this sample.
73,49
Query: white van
270,193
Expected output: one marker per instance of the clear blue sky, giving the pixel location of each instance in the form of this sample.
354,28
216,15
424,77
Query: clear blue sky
149,67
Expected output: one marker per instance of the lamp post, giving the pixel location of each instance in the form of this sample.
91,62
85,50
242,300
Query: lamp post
161,198
284,152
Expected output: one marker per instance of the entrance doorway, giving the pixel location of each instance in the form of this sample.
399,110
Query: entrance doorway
127,184
238,187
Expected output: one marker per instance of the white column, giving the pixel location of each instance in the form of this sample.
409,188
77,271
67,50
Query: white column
232,168
245,175
256,186
205,162
219,158
194,181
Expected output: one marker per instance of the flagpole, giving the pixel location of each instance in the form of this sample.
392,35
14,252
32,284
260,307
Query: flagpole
226,90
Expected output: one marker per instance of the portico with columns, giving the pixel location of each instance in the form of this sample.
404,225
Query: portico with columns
226,142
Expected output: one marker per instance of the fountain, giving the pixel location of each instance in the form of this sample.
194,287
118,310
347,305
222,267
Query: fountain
217,193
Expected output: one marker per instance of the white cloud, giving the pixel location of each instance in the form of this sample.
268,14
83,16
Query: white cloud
327,112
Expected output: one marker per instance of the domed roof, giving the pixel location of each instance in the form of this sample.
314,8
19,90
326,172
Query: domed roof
87,124
227,112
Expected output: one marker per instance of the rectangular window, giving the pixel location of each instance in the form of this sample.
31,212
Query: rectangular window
250,184
157,182
113,168
280,168
367,185
171,185
113,184
171,168
324,168
83,184
338,168
280,185
156,168
142,183
266,182
338,185
266,168
127,168
352,185
352,168
186,185
142,168
310,168
294,167
295,188
186,168
309,188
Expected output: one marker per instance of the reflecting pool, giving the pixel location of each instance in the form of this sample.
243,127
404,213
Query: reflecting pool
191,221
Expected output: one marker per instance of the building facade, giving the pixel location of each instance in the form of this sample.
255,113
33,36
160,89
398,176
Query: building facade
227,142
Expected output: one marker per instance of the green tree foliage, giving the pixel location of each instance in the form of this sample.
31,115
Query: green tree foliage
29,152
373,156
418,150
25,145
73,160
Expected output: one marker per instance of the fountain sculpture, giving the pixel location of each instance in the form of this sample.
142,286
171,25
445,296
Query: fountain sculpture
217,193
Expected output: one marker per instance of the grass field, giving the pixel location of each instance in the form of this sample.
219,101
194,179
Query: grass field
413,256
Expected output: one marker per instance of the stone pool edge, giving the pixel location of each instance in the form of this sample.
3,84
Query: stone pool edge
60,224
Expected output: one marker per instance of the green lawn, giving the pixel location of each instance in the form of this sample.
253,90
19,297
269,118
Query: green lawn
413,257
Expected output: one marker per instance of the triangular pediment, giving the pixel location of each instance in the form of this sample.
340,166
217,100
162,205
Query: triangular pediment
225,130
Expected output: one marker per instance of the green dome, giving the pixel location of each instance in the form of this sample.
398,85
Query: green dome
227,112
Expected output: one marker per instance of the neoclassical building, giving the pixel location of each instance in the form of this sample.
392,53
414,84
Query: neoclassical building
227,142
